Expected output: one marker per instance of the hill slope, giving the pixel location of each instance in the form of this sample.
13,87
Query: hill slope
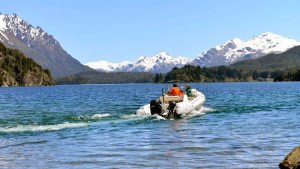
286,61
17,70
39,45
278,67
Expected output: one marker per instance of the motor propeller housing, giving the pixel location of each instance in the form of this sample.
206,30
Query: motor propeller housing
155,107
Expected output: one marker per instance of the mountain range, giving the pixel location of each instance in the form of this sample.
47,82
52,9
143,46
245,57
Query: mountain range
272,67
44,49
160,63
237,50
37,44
230,52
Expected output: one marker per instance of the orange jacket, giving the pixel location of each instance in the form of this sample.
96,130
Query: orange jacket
174,91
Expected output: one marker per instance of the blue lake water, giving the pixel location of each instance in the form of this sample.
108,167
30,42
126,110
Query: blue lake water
243,125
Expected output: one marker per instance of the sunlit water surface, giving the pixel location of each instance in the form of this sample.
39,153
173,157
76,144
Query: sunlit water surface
242,125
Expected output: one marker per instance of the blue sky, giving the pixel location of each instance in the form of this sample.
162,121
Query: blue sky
119,30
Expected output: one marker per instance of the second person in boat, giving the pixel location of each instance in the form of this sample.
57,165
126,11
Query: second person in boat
188,90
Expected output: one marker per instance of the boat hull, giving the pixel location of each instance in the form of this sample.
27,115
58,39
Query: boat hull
189,106
181,107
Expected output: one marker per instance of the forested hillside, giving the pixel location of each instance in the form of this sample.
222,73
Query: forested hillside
277,67
17,70
95,77
197,74
287,61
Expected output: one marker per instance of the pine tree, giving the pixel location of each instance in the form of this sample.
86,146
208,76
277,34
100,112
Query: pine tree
156,79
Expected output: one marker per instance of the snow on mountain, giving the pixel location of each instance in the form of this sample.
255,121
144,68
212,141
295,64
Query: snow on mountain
237,50
230,52
2,25
106,66
21,29
160,63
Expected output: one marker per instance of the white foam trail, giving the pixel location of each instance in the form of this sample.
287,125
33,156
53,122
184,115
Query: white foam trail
159,117
97,116
207,109
201,111
24,128
131,116
144,111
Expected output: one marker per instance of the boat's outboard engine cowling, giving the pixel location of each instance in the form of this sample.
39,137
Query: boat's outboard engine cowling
155,107
172,111
171,106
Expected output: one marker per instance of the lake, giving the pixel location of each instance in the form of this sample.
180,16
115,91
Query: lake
242,125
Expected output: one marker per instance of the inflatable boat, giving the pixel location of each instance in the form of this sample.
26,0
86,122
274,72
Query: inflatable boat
174,106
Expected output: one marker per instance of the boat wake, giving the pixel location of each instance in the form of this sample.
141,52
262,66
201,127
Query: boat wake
89,120
98,116
83,121
92,117
35,128
142,115
201,111
194,113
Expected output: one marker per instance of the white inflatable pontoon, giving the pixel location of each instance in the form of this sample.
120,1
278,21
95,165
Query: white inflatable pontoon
174,106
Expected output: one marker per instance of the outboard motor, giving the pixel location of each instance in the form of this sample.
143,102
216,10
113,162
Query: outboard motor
155,107
172,111
171,107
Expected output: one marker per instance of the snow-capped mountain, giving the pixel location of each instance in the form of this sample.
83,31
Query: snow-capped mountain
160,63
237,50
38,45
228,53
22,30
106,66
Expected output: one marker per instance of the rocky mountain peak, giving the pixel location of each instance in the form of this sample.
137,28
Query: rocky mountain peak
12,24
37,44
159,63
236,50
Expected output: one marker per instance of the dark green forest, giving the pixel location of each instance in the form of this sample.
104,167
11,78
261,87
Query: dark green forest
18,70
289,76
197,74
95,77
223,74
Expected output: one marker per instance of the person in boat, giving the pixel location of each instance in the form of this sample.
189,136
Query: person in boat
174,91
188,90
